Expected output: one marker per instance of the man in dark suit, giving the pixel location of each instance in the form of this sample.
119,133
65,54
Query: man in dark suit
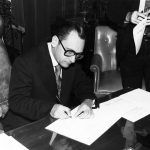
33,90
134,67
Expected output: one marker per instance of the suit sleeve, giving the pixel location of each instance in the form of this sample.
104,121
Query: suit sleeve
83,86
21,100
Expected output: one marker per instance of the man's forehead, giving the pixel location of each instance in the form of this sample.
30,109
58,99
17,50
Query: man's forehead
74,42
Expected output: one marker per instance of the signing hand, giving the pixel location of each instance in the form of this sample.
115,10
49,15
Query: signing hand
60,111
85,110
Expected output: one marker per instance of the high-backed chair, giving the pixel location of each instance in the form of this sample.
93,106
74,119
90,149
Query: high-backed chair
5,70
107,77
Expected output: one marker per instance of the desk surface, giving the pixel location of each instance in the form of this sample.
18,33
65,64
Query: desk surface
35,137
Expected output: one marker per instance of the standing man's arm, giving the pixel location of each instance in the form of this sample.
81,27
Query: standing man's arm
122,11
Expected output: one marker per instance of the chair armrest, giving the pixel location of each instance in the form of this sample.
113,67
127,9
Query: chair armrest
95,67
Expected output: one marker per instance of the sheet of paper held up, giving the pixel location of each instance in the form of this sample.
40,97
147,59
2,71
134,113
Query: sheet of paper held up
9,143
138,32
142,5
133,106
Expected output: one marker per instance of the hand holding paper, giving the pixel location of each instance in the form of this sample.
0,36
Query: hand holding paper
84,110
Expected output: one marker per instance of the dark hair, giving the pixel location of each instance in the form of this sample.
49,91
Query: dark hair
62,28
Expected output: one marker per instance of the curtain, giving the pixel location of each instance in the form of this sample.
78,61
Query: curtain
36,17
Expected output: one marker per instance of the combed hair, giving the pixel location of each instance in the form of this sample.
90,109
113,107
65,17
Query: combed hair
62,28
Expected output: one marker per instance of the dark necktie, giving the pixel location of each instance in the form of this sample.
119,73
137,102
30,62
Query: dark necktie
58,79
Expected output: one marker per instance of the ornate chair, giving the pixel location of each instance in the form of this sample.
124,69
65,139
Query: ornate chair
107,77
5,70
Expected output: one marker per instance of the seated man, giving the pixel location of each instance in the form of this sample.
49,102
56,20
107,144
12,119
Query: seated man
34,93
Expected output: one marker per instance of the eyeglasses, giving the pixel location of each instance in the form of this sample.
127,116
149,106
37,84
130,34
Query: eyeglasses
70,52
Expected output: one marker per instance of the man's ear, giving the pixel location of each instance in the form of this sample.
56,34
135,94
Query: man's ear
55,41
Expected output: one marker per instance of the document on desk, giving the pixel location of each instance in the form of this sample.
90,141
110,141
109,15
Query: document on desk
85,130
133,106
141,100
9,143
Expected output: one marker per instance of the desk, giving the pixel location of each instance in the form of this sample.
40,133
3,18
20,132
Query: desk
35,137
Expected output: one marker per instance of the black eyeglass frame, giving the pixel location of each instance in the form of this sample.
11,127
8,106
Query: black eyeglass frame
78,56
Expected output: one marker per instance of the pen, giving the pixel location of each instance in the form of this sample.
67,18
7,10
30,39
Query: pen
59,101
80,113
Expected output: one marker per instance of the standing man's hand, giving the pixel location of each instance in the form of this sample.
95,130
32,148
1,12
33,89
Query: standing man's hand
60,112
85,109
148,21
135,17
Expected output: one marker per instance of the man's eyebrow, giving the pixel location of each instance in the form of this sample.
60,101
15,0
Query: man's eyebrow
67,48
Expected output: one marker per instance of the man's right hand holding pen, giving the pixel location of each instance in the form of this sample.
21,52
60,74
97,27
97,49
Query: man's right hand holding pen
62,112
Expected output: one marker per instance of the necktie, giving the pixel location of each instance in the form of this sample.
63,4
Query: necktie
58,78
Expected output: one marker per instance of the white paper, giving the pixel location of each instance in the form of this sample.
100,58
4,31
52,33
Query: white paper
139,29
9,143
139,97
141,100
136,114
132,105
142,5
138,32
85,130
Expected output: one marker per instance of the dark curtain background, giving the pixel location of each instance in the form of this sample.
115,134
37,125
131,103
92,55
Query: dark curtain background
36,17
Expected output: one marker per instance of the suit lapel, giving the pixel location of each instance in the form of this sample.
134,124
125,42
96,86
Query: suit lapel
47,75
47,71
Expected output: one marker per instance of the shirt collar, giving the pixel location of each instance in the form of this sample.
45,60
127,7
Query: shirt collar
54,62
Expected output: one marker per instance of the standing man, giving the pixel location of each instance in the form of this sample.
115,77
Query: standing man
134,67
35,90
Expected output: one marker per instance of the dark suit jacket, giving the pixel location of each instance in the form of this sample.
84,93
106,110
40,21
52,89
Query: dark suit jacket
33,87
117,11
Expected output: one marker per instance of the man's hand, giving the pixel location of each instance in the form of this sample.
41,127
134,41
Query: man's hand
148,21
85,109
60,112
135,17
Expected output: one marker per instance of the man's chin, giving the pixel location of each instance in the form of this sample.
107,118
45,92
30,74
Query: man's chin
65,65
